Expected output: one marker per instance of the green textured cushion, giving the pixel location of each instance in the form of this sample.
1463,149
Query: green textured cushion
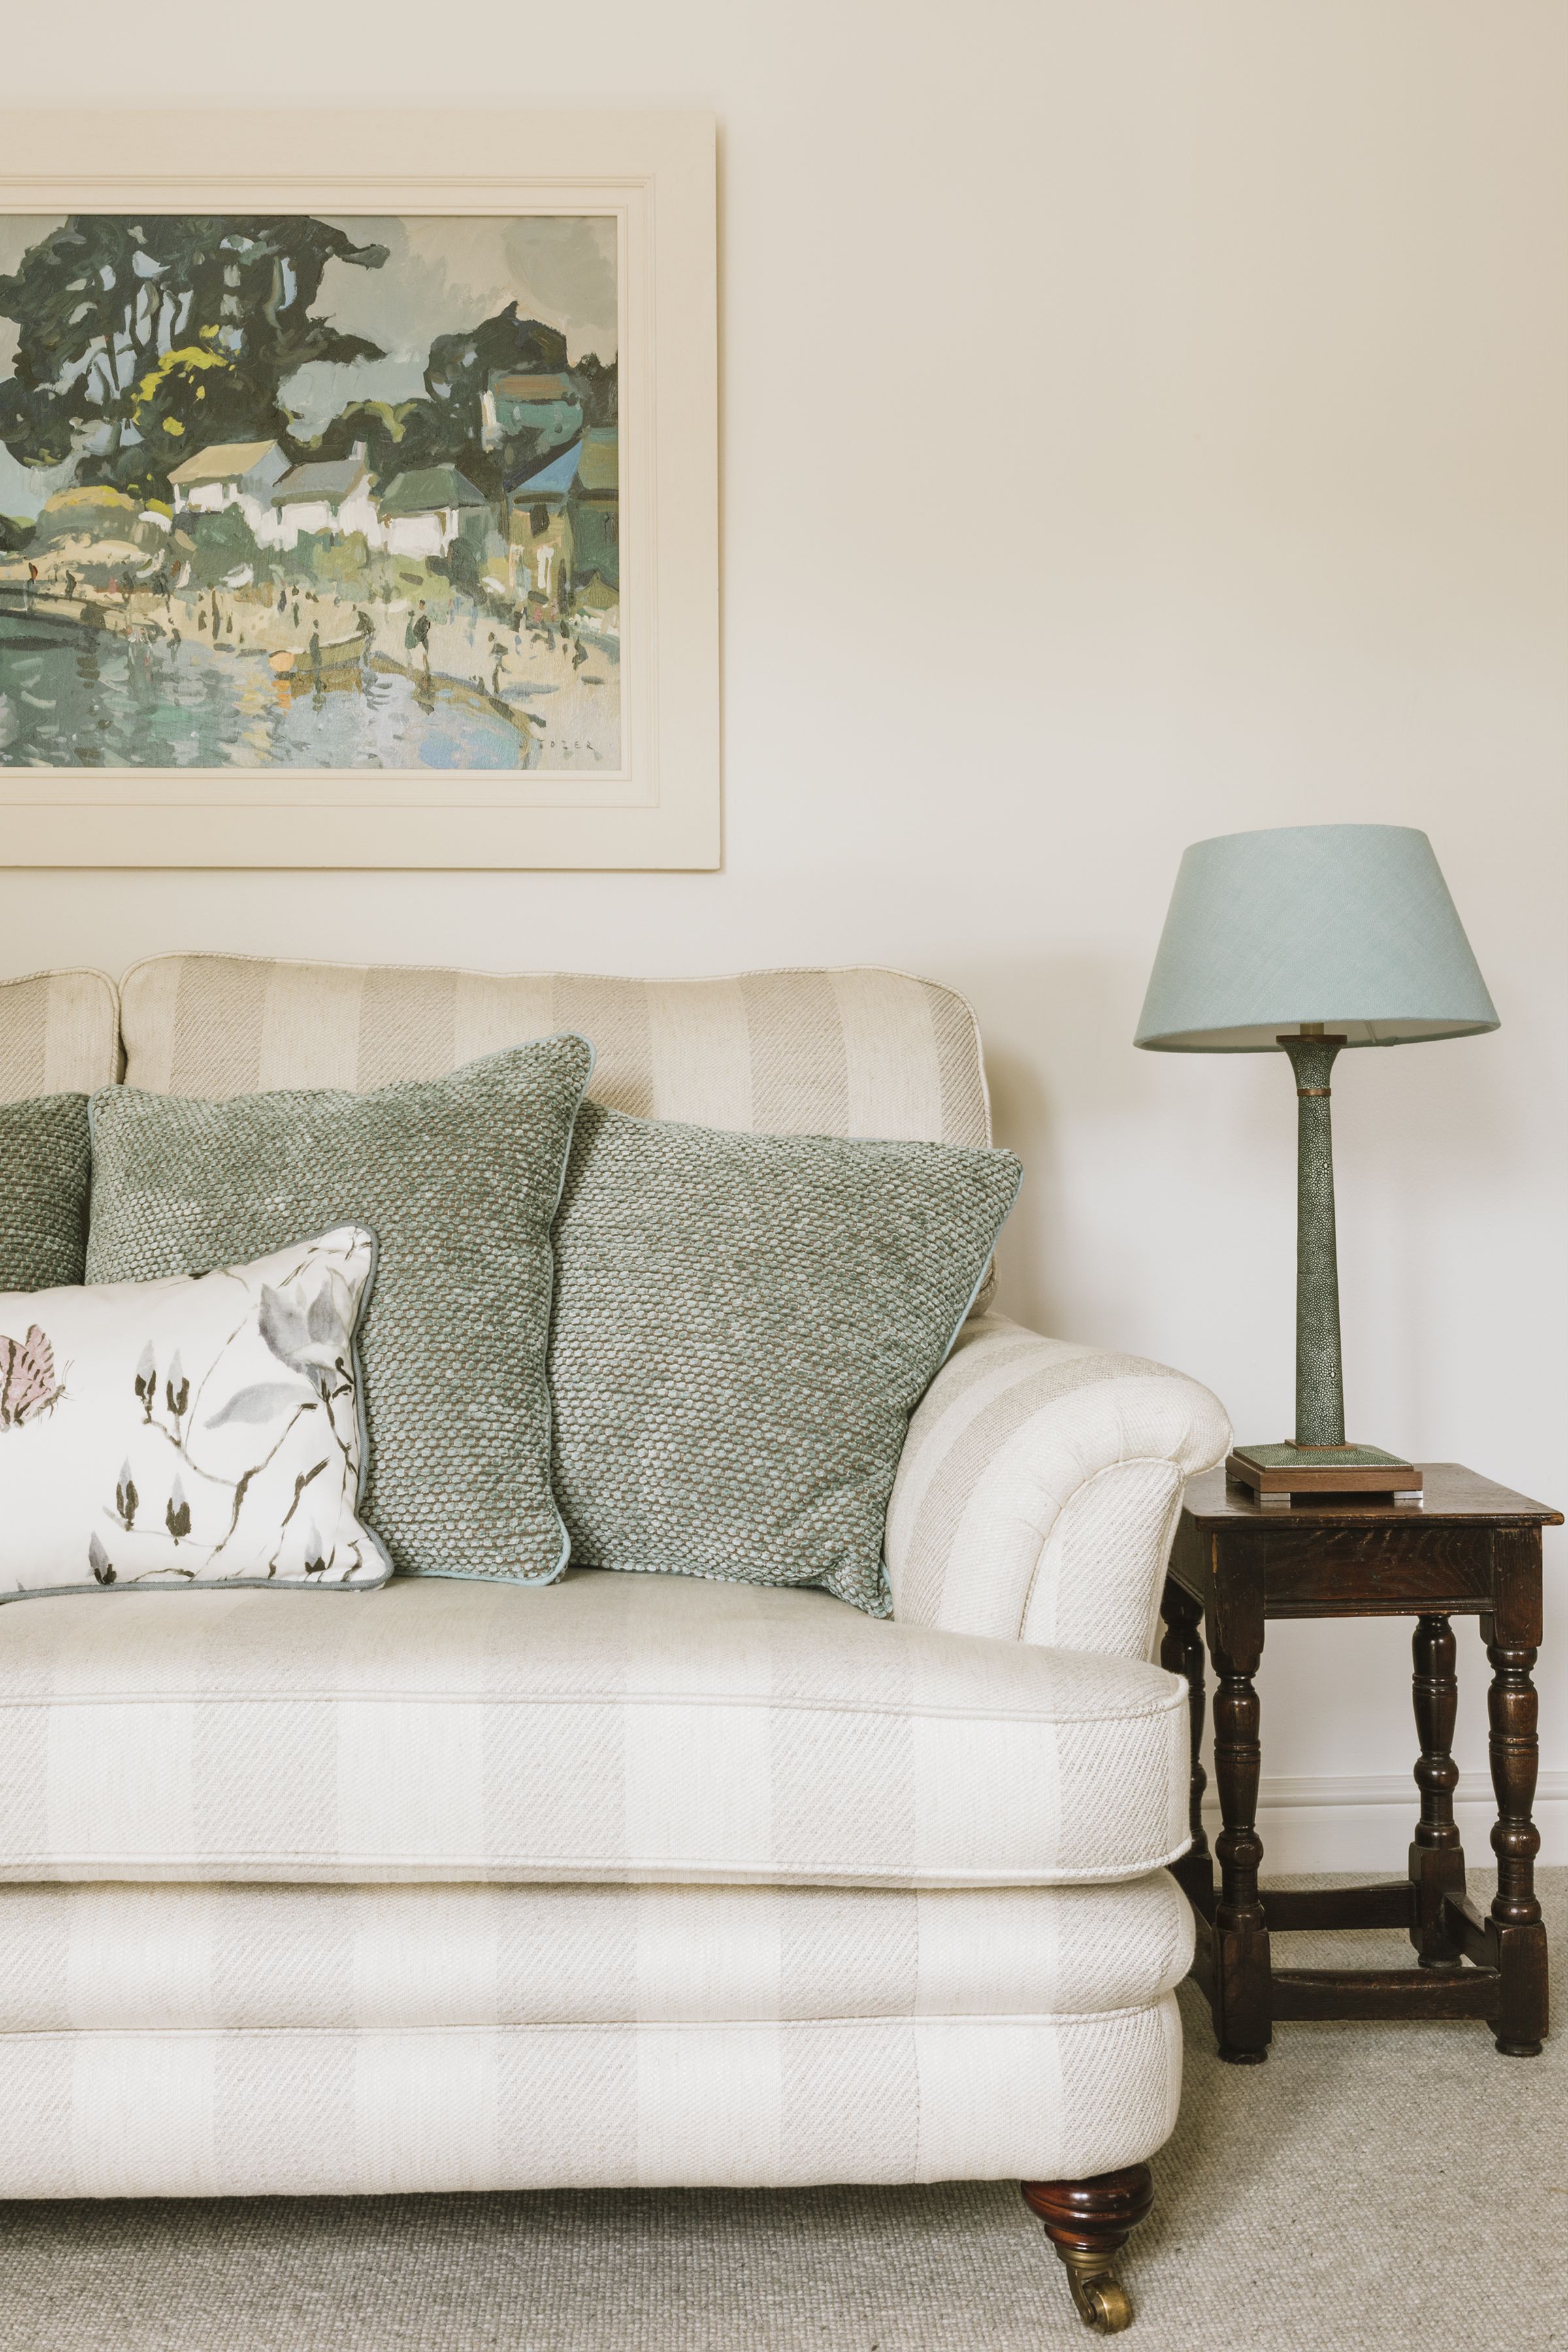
458,1177
46,1164
743,1325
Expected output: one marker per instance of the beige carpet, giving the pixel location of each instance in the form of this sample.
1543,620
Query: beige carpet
1392,2186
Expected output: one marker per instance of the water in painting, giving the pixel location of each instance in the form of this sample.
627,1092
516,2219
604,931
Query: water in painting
310,492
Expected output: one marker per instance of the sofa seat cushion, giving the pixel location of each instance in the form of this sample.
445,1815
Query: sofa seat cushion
231,1959
606,1729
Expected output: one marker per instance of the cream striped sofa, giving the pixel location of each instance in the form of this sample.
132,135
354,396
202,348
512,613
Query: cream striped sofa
628,1879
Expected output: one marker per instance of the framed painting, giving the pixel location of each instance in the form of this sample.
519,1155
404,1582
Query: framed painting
358,490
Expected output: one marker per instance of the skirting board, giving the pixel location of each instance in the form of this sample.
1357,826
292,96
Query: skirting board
1365,1824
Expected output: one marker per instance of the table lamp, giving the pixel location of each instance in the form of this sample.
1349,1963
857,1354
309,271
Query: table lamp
1314,938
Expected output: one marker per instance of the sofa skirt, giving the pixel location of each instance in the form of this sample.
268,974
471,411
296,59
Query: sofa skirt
206,2042
595,2106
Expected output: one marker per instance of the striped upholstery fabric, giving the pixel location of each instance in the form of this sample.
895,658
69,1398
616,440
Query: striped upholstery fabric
108,1958
1038,1489
59,1034
859,1051
325,2112
604,1729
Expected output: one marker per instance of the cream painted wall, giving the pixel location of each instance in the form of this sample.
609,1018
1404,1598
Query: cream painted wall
1141,420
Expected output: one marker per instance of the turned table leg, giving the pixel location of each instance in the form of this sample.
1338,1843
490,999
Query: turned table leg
1088,2222
1182,1653
1511,1710
1242,2008
1436,1856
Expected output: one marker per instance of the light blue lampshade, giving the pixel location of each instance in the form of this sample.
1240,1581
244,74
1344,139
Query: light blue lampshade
1350,925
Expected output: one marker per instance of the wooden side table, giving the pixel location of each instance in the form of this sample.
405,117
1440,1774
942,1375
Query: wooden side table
1467,1549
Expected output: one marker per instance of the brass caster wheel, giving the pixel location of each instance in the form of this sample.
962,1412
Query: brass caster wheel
1087,2221
1100,2300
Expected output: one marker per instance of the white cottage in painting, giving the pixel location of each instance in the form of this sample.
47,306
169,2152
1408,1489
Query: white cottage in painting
240,474
424,512
332,495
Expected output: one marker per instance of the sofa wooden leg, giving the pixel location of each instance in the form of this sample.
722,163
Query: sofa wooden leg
1087,2221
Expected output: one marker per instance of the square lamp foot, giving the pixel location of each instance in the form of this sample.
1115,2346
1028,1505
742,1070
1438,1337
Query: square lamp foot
1270,1471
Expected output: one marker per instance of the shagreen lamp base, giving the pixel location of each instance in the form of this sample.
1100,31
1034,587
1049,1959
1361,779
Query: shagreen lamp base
1285,1470
1314,939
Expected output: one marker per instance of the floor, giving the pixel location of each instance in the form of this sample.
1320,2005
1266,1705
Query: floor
1385,2186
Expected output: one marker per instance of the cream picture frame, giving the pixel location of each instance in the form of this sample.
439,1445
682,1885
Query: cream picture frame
653,174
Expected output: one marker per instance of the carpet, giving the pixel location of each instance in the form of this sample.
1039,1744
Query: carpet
1385,2186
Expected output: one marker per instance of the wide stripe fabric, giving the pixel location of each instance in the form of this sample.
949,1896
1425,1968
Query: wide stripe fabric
1038,1489
60,1034
854,1051
775,2104
605,1728
293,1958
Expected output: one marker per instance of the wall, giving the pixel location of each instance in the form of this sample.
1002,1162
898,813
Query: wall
1196,372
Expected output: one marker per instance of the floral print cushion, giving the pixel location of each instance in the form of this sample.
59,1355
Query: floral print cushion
159,1434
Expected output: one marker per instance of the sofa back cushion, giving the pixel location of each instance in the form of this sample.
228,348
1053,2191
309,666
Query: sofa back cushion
855,1052
59,1034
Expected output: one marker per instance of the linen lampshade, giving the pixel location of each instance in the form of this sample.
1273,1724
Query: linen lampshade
1347,925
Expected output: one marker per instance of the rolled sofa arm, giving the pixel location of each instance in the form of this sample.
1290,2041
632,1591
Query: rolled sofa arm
1038,1488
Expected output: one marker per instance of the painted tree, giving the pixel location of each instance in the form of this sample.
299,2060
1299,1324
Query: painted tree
445,426
141,340
398,437
598,385
458,372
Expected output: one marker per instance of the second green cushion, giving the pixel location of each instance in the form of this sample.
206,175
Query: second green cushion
743,1325
458,1178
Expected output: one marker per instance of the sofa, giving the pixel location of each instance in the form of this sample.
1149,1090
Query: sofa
623,1880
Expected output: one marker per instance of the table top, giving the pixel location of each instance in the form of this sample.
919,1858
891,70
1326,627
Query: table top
1449,1492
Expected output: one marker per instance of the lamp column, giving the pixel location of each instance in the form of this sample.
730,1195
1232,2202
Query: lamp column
1320,1376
